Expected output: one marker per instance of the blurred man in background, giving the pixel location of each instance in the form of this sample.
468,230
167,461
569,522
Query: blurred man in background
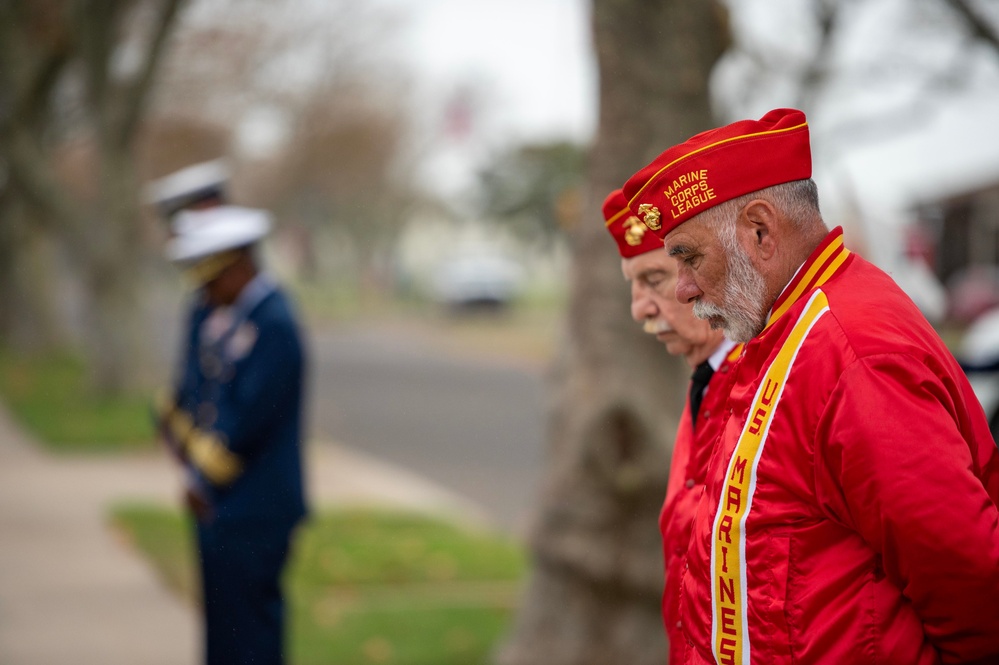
850,506
652,275
234,421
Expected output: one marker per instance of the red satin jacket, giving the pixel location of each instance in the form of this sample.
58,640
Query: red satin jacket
849,513
686,485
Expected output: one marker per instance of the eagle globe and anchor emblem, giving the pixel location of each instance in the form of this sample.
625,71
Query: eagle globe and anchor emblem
650,216
634,230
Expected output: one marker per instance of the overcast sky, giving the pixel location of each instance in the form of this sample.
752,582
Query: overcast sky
524,70
532,59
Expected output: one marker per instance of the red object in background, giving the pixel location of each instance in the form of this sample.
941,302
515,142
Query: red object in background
459,116
919,245
973,292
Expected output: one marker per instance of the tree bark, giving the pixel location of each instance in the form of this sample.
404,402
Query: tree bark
112,269
27,312
37,46
594,593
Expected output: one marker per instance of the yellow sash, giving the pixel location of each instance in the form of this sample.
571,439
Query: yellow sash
730,624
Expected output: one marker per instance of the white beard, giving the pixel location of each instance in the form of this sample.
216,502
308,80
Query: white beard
742,314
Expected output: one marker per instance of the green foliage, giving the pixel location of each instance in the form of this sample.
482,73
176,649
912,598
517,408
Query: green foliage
370,586
536,188
50,396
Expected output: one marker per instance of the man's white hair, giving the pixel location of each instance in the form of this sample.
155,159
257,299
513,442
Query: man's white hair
798,200
743,311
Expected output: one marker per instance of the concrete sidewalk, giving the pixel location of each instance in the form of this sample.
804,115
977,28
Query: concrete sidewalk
71,592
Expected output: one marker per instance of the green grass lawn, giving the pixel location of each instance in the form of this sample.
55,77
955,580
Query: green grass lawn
49,396
369,587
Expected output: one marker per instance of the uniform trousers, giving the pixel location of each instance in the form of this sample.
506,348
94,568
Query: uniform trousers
241,564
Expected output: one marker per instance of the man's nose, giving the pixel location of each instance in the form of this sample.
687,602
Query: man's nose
687,290
641,306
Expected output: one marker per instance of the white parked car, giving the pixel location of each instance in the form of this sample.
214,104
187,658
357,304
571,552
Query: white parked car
477,281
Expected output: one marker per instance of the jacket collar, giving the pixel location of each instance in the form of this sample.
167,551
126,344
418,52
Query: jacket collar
824,263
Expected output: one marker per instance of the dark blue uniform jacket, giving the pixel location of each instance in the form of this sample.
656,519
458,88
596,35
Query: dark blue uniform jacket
245,386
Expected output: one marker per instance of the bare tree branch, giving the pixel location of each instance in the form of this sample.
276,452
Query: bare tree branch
34,51
816,71
33,108
96,23
980,27
138,93
33,54
906,117
95,212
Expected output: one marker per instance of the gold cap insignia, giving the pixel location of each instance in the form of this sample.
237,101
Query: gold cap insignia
634,229
651,218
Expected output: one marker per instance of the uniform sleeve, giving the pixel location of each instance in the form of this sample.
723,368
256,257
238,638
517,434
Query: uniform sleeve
891,462
266,389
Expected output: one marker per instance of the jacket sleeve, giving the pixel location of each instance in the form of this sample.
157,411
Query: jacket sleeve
892,462
172,412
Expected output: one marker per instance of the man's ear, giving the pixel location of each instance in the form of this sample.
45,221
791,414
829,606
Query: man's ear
757,223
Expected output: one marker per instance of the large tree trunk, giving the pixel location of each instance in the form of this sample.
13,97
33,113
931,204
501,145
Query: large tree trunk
113,265
28,318
38,45
594,592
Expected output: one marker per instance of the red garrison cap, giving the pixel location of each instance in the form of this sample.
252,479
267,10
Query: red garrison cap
719,165
632,236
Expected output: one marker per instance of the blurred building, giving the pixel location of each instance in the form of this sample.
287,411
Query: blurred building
924,206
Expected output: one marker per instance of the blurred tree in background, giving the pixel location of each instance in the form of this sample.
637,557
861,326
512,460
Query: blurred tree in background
294,94
75,78
334,182
316,121
536,188
874,70
594,593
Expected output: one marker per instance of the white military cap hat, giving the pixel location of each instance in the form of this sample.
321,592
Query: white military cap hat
188,185
202,233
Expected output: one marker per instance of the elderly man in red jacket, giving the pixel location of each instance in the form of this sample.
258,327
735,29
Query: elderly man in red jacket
652,275
850,507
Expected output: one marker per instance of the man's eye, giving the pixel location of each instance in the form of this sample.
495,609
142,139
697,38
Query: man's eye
656,280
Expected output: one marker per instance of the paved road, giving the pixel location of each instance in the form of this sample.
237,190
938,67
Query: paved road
474,425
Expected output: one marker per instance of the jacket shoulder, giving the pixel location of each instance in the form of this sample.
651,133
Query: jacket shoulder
876,316
276,309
